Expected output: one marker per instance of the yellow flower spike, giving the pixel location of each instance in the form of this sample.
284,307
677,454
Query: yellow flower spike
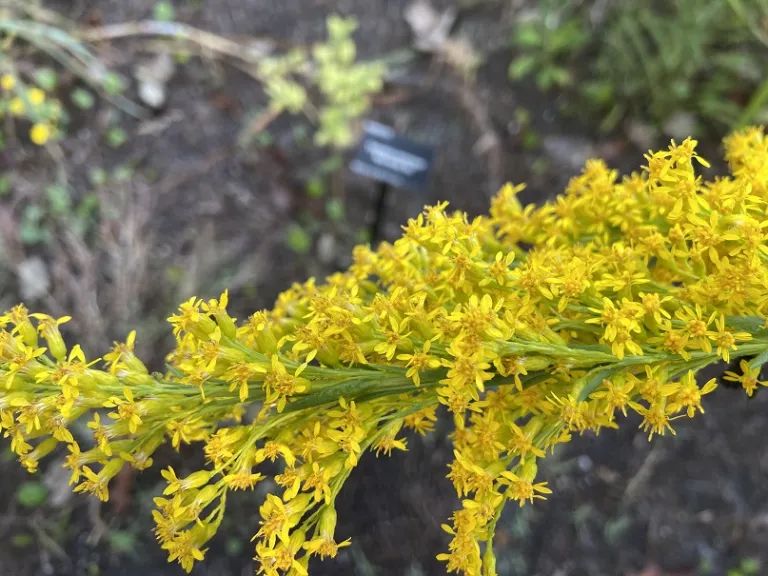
583,307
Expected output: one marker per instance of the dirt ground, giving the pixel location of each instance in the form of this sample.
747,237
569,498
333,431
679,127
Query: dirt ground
207,215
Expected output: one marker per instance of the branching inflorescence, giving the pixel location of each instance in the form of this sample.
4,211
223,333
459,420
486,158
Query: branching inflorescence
527,325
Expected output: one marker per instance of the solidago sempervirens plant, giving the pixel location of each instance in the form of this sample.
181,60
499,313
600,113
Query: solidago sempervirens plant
527,325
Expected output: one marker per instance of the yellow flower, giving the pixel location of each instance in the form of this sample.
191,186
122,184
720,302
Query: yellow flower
726,340
324,545
16,106
184,548
617,394
40,133
278,517
7,81
521,487
655,417
689,395
127,410
747,378
36,96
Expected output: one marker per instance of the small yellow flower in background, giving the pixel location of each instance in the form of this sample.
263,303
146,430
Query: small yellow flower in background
7,81
40,133
36,96
16,106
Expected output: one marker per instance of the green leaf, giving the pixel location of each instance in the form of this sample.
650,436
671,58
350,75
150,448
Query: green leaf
530,140
540,166
568,38
31,233
612,119
123,173
116,137
756,103
680,89
33,213
745,65
82,98
122,541
46,79
751,566
265,139
298,240
163,12
88,205
5,185
527,35
315,188
331,164
521,66
545,79
22,540
334,210
32,494
598,91
560,76
759,361
592,381
97,176
113,84
752,324
363,236
58,198
522,116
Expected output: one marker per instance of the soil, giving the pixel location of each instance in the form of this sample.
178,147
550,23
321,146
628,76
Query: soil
219,216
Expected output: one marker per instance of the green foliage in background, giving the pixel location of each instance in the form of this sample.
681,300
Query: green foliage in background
653,60
345,86
546,42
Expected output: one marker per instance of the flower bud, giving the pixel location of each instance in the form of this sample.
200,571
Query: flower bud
196,479
327,522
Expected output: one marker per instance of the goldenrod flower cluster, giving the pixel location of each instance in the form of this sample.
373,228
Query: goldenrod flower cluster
527,326
29,102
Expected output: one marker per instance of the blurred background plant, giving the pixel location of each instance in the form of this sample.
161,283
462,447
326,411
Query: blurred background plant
20,100
345,86
683,66
548,40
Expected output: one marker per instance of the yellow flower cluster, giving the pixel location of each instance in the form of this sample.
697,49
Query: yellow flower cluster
29,102
527,326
